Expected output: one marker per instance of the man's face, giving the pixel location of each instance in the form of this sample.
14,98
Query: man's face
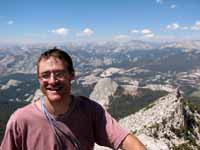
54,79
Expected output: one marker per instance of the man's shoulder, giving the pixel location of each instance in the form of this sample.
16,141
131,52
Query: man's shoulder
21,113
87,105
82,100
25,109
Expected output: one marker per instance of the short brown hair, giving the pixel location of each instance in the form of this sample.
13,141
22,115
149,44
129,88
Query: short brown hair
57,53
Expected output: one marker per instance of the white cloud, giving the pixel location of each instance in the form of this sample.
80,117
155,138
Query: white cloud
196,26
149,35
173,6
10,22
146,31
86,32
122,37
143,33
60,31
173,26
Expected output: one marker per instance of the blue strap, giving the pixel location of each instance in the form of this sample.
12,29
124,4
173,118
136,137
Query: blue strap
53,123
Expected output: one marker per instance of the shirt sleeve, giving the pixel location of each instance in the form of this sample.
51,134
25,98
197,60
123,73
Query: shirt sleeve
12,136
108,132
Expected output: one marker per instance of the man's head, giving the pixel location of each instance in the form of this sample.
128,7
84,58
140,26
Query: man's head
59,54
55,72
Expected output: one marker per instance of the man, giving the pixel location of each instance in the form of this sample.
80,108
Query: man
61,121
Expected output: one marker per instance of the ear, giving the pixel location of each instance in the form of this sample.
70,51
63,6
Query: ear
72,76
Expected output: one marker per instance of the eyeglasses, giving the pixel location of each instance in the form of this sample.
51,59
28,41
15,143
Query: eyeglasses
56,75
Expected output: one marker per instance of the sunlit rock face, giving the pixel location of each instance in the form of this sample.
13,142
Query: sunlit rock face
162,125
9,84
104,89
168,123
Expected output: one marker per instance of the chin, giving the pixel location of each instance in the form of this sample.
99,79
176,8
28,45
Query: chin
54,97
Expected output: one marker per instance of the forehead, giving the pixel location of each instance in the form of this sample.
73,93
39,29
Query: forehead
51,63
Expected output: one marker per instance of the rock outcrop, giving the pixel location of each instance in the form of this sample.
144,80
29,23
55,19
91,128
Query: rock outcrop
9,84
103,90
168,121
110,71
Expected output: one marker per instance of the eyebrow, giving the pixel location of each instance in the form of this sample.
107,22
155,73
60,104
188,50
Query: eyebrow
57,70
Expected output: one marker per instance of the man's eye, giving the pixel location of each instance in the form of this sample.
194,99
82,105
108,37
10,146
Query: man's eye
45,76
59,74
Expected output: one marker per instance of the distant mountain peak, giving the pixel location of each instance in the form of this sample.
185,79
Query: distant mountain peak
187,46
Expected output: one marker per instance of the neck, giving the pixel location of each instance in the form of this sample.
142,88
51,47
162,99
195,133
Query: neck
58,108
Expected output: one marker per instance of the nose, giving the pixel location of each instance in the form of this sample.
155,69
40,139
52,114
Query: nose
52,79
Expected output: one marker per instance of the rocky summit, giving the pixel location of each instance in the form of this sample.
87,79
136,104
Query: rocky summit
170,123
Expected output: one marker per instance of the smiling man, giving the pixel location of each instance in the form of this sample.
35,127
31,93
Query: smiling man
61,121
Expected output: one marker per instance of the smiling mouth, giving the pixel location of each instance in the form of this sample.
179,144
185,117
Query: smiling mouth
56,89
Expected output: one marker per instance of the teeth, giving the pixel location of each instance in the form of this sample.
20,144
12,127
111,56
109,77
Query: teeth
53,89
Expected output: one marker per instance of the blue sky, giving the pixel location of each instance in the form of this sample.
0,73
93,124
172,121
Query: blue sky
92,20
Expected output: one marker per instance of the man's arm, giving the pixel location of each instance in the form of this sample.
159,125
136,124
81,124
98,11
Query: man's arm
131,142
